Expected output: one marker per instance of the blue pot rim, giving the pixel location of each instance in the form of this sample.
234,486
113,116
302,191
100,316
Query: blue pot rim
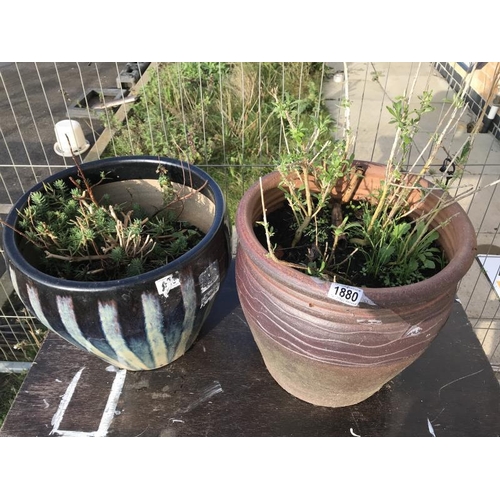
14,255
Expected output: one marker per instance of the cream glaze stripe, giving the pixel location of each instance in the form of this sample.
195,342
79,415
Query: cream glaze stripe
35,304
153,323
112,331
37,308
189,300
13,278
67,313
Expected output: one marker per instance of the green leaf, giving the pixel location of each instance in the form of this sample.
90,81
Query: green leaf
429,264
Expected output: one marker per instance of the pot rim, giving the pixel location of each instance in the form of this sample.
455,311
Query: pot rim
14,255
457,267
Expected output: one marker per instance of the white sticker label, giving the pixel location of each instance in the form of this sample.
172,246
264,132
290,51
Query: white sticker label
346,294
209,283
164,285
413,331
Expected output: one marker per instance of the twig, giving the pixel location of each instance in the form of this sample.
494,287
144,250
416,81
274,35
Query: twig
266,225
20,233
458,379
76,259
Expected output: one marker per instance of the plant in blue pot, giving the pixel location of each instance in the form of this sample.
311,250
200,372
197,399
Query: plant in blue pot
122,257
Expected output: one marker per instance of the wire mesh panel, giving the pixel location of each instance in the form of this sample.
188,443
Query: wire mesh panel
222,117
33,98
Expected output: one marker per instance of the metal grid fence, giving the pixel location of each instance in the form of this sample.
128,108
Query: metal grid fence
104,99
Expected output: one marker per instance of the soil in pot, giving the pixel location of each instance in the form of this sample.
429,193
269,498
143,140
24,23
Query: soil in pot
348,265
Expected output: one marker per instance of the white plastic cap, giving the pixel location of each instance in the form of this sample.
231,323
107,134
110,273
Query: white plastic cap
70,130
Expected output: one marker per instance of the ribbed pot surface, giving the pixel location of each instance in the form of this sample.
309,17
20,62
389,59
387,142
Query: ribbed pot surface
326,352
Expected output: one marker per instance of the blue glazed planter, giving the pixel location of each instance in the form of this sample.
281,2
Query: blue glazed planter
146,321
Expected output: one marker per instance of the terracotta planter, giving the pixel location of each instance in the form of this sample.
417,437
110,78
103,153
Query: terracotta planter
332,354
146,321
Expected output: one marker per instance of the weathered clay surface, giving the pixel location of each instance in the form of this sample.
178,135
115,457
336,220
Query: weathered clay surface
323,351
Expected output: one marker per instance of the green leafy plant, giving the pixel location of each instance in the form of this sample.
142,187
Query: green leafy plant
384,239
10,383
75,236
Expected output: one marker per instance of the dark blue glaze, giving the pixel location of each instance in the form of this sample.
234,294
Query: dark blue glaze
126,322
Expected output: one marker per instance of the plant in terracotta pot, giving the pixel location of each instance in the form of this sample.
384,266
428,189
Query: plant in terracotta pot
122,257
346,269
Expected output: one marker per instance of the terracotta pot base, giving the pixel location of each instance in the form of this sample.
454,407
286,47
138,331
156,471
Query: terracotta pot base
322,384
